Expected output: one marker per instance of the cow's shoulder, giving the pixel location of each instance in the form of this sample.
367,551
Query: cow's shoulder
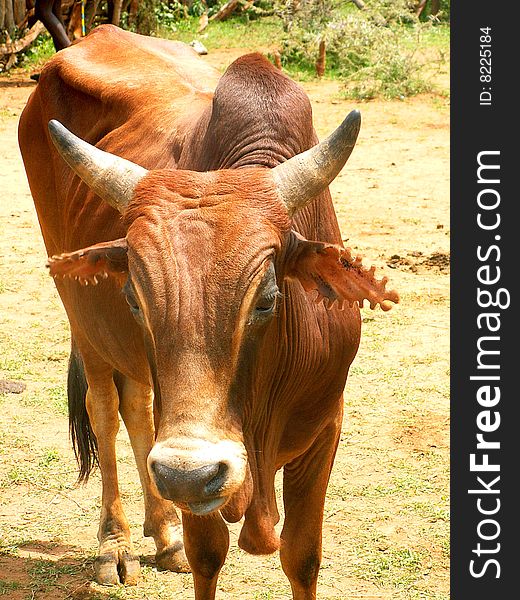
121,66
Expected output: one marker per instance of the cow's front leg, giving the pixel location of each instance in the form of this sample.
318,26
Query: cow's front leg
206,540
304,487
161,519
116,560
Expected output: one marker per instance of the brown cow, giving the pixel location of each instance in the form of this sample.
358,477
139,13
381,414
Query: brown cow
208,330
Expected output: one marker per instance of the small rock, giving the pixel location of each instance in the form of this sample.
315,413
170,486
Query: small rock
11,387
198,47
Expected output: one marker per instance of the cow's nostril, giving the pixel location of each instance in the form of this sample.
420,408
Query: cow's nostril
164,477
189,486
216,483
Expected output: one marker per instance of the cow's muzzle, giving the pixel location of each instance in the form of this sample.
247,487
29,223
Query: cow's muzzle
198,476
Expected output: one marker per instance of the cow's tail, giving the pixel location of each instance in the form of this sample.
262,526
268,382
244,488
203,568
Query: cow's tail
83,439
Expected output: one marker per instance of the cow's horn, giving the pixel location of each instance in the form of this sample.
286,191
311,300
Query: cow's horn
112,178
306,175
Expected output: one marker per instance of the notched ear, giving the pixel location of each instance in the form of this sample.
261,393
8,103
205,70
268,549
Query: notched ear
91,264
336,274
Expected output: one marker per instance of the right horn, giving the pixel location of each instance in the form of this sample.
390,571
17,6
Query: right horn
304,176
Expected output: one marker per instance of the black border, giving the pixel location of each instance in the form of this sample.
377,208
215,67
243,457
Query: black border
476,128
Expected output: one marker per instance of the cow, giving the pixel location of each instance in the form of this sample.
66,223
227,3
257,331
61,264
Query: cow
194,245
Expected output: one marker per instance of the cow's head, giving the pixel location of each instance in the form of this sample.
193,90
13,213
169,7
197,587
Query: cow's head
201,268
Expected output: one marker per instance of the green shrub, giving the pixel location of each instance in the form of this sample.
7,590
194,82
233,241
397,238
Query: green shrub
37,53
373,51
146,20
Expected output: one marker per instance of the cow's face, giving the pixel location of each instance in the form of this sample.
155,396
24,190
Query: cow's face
202,284
200,269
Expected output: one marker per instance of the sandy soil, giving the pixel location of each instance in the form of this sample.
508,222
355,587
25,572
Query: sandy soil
386,524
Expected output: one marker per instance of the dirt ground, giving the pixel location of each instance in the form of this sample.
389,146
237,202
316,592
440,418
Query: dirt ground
386,530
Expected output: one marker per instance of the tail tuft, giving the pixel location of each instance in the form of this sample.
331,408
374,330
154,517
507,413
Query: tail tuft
82,436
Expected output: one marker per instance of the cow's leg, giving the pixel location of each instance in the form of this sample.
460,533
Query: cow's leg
116,560
43,9
206,540
56,9
161,519
304,486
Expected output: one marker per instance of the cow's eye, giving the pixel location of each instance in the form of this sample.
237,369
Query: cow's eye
266,303
267,294
131,301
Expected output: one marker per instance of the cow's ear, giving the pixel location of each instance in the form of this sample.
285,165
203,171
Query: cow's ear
336,274
91,264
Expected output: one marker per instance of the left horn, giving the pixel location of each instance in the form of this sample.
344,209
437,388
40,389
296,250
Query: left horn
112,178
306,175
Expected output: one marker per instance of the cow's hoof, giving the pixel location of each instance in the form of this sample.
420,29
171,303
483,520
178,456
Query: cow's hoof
115,568
173,559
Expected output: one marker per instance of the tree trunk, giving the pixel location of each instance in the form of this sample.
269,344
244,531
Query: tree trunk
114,11
320,63
436,6
9,16
74,29
420,7
2,14
132,12
21,44
225,11
18,11
90,13
203,22
277,59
